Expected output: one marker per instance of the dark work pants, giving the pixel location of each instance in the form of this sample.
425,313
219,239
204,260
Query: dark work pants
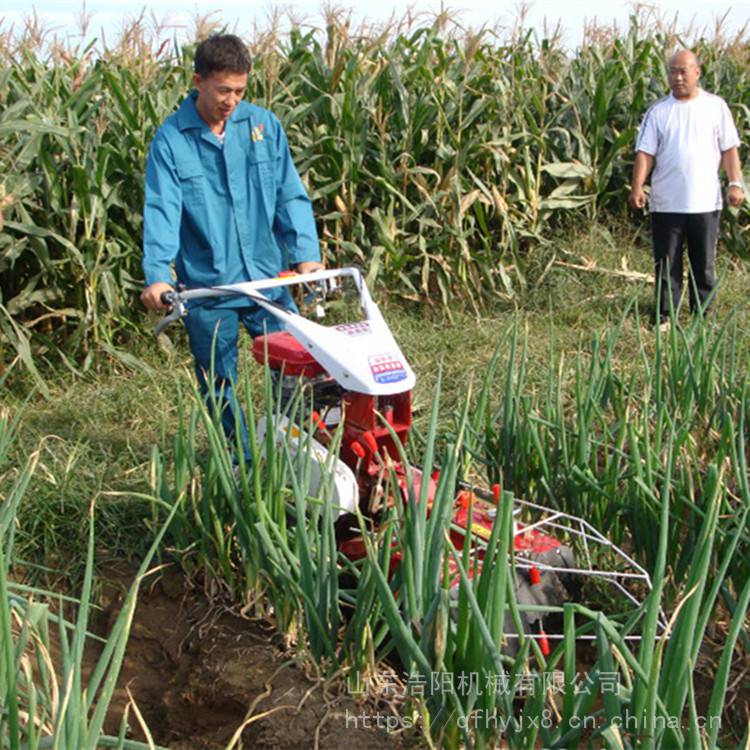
669,231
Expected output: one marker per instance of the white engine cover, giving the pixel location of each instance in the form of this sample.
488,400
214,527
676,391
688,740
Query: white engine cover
345,490
362,356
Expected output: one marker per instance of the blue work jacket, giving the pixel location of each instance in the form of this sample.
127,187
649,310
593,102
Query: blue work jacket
224,213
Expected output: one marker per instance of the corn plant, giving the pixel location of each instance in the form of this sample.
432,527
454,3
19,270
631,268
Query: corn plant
442,162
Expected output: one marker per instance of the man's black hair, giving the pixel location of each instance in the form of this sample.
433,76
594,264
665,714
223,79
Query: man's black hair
221,52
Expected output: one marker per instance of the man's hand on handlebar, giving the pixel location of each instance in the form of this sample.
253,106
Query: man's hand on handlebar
151,297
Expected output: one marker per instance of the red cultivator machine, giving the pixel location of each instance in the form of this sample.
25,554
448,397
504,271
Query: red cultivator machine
358,382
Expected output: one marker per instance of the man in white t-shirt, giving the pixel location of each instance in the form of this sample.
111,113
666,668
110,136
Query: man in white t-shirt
686,137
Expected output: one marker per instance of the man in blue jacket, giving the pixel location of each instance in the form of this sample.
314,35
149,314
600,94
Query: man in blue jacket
224,204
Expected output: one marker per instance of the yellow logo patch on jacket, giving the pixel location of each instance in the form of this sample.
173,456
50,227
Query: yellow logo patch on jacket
257,133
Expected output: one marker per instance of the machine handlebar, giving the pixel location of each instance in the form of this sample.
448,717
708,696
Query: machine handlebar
167,298
177,298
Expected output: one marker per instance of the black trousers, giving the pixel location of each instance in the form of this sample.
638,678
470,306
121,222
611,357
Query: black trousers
669,232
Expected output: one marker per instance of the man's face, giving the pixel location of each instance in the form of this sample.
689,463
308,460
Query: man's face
683,75
218,95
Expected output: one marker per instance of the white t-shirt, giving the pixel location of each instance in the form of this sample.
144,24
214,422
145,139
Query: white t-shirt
686,138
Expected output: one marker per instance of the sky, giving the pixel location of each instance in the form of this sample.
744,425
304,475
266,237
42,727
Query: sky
64,15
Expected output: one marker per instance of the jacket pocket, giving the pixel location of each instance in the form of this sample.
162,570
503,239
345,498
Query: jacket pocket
263,179
192,182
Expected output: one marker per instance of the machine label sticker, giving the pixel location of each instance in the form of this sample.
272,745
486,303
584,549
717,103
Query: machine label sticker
386,368
354,329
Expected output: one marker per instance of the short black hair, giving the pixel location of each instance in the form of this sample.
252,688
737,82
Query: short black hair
221,52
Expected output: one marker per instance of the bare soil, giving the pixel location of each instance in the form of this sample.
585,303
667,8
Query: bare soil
198,672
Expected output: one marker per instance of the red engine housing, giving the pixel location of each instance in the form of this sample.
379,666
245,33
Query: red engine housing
285,354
